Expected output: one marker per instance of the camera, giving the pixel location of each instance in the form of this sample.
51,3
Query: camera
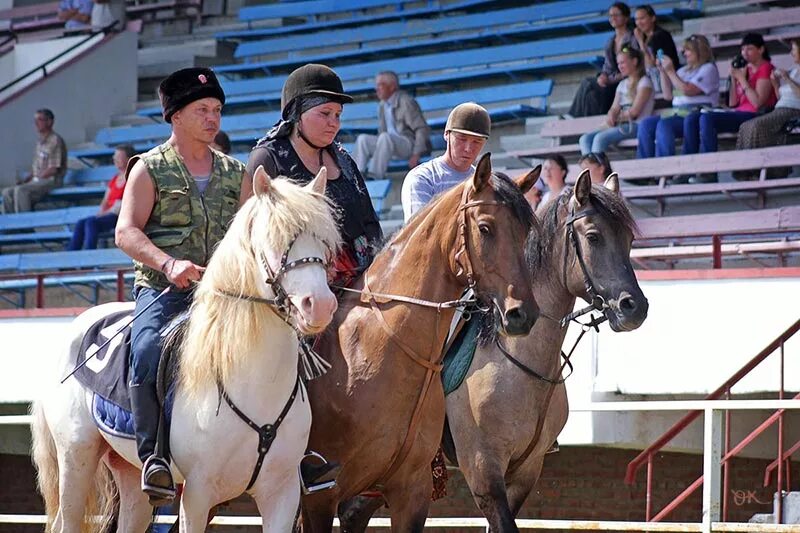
738,62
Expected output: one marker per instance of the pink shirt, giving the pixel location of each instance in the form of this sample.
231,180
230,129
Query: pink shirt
753,75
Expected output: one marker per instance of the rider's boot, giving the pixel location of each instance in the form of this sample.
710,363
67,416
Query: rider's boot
316,473
157,480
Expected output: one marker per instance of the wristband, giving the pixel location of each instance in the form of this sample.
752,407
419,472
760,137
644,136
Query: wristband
165,263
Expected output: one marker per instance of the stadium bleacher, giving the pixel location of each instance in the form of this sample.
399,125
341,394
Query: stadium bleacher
519,60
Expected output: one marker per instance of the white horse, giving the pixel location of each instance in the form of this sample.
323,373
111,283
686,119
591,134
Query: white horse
283,234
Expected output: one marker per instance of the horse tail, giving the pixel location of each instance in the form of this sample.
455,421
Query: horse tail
103,500
46,461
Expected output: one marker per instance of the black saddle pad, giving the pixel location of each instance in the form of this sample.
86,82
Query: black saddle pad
106,374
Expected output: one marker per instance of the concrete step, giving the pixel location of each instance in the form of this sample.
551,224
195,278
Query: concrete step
791,510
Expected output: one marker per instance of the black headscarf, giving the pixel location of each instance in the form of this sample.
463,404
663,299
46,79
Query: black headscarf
295,108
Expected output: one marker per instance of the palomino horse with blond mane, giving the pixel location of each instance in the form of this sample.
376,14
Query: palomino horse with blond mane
512,404
379,410
265,284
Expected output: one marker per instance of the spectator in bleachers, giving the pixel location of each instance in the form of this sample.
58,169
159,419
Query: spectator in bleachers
554,175
634,99
691,87
222,142
767,130
105,12
599,166
76,14
180,198
654,41
751,93
87,230
303,142
49,167
595,94
403,132
466,132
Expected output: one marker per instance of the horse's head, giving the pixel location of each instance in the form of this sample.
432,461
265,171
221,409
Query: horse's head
294,234
495,223
599,230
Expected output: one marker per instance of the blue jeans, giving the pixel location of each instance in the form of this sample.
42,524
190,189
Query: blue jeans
88,229
146,331
713,123
601,140
657,135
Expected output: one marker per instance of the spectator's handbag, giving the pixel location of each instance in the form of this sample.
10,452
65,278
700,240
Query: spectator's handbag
626,127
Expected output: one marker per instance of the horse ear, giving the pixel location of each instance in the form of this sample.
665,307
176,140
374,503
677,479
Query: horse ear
318,184
612,183
583,188
261,181
482,172
528,180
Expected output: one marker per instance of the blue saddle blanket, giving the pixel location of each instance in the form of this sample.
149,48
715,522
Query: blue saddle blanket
459,357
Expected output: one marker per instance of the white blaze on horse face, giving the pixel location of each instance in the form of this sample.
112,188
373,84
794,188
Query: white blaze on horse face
307,286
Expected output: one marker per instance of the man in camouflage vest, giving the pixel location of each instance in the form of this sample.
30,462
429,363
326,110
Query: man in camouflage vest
178,203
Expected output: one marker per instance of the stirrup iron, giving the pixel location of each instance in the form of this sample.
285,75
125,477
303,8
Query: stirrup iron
159,495
327,475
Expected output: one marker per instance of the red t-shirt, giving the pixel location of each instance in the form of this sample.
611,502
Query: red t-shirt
753,75
115,189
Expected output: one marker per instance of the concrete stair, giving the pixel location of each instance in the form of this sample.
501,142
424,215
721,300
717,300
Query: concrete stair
791,510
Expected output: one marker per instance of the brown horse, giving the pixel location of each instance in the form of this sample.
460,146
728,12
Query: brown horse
379,410
507,413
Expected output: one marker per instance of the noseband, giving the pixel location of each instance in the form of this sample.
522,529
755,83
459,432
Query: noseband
598,303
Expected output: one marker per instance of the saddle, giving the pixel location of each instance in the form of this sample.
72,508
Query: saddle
106,374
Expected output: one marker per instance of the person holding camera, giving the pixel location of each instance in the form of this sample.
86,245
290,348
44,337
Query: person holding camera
767,130
654,41
751,92
691,87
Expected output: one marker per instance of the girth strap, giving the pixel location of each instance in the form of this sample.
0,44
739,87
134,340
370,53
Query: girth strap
267,432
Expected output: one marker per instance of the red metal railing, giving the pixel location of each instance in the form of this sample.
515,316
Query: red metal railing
648,454
41,276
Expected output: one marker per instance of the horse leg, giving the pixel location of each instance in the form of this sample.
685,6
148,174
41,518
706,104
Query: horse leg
78,461
135,512
318,511
484,475
408,496
522,482
195,505
278,500
354,514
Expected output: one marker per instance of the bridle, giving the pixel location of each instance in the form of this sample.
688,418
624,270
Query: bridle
310,365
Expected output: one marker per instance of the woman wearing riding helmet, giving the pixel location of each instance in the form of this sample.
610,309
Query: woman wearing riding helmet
303,142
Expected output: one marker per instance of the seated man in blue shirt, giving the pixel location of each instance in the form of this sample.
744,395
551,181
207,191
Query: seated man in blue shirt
76,14
467,130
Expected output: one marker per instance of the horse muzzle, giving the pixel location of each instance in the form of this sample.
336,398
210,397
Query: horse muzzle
518,318
627,312
315,313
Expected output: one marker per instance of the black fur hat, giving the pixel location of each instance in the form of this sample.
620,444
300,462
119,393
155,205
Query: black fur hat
184,86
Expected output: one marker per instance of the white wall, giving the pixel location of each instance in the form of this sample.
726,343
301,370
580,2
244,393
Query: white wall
83,95
27,56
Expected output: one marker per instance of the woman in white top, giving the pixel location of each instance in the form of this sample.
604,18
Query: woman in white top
634,99
691,87
766,130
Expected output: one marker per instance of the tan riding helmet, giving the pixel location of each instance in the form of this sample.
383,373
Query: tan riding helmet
469,118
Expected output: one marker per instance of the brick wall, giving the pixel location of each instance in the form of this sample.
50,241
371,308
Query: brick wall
577,483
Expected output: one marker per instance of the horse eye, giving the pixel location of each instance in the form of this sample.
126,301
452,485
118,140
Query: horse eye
593,237
485,229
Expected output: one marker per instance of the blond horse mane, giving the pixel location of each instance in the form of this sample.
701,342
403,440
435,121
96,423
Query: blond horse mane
222,332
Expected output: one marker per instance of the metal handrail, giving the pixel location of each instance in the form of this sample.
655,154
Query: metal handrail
40,277
43,66
647,455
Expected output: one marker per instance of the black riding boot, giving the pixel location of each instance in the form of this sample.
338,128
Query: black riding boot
156,476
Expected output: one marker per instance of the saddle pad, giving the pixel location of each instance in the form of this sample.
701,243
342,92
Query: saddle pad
106,374
459,357
111,418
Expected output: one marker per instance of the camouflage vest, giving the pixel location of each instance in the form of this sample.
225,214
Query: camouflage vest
184,223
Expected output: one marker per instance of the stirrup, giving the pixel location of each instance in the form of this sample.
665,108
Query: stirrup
160,494
317,477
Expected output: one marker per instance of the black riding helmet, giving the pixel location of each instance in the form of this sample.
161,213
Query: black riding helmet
312,79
